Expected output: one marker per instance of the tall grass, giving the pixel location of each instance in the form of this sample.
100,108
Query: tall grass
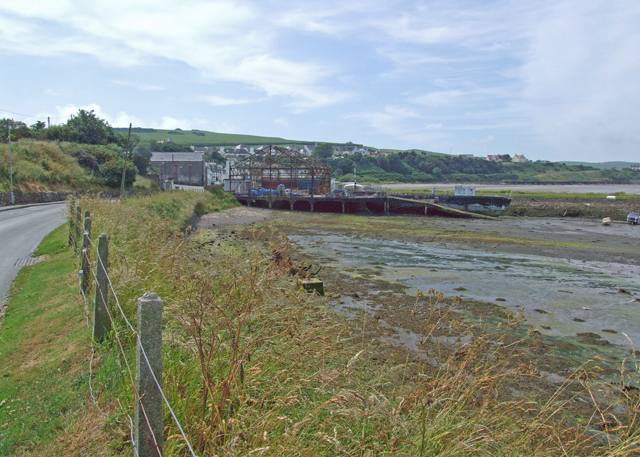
40,165
254,367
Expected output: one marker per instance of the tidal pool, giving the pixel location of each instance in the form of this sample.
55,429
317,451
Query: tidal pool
559,297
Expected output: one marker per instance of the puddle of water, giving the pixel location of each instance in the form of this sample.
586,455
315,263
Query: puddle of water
569,297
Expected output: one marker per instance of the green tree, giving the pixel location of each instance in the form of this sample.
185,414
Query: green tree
214,156
86,127
39,125
111,173
19,129
323,151
141,158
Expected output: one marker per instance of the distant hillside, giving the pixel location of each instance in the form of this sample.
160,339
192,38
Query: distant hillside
202,137
604,165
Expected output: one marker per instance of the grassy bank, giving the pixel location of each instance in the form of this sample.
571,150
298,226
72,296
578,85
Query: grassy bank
254,366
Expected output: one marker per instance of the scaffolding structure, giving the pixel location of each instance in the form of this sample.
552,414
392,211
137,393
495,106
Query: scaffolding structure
278,169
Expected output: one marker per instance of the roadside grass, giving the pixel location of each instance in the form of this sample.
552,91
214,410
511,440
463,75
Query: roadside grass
44,345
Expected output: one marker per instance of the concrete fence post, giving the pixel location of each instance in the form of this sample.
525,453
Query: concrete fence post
86,242
101,321
149,421
72,229
71,221
78,217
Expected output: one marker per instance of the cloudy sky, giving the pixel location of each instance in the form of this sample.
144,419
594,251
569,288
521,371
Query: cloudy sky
551,79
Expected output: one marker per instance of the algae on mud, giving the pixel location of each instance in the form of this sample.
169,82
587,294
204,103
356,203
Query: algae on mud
571,269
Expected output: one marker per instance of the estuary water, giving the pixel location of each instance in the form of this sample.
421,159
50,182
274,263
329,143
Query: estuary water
558,297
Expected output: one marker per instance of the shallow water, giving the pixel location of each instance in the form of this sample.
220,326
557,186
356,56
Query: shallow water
550,292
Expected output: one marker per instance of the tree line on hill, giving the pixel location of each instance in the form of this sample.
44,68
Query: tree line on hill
412,166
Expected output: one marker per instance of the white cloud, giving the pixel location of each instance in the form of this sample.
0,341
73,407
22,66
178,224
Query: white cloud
281,121
561,73
402,125
439,98
484,142
64,113
170,123
225,40
216,100
582,78
139,86
123,119
388,121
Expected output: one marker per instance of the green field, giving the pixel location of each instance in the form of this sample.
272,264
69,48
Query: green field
202,137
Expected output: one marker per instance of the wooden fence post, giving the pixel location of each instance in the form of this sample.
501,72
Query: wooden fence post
101,321
149,420
86,242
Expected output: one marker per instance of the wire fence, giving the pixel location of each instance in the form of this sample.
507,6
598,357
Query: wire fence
88,270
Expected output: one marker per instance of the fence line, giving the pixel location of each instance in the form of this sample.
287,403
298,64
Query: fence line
126,362
83,283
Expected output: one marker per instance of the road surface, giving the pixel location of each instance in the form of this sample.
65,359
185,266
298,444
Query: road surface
21,230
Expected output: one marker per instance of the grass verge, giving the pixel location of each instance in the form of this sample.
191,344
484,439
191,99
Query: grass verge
46,408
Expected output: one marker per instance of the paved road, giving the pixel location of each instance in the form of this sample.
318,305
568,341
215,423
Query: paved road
21,230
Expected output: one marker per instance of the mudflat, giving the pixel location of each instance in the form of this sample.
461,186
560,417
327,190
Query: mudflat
428,325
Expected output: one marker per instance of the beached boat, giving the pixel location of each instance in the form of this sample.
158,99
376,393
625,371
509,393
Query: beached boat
465,199
606,221
633,218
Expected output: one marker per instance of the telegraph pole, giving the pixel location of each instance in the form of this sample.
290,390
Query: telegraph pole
13,201
124,166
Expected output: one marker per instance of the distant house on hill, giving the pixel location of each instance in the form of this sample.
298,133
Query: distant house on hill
635,167
494,158
181,167
308,149
519,158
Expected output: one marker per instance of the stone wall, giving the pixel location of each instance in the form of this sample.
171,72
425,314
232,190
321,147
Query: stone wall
48,197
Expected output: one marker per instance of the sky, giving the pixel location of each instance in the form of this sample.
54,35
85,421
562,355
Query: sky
554,80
